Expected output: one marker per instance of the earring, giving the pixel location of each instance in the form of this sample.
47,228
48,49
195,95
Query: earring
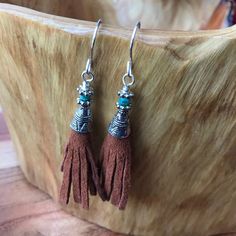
116,150
78,167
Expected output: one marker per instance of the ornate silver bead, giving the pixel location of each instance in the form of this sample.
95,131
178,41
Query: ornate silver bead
119,126
82,117
81,120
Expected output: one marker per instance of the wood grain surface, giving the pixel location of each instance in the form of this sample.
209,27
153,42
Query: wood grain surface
183,120
25,210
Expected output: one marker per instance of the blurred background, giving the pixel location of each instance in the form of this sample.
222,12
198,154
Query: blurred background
154,14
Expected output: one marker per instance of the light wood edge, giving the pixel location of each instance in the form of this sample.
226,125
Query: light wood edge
79,27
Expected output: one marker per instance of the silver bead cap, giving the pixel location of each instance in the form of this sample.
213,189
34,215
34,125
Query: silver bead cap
119,126
81,120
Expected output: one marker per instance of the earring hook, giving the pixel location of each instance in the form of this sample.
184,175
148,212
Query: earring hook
137,26
94,39
129,73
88,71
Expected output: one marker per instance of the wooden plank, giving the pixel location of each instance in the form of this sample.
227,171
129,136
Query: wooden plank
25,210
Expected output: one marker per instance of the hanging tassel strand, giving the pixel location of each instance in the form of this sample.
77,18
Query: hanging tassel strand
117,162
67,178
79,167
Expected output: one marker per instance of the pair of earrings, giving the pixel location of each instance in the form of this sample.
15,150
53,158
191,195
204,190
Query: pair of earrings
80,171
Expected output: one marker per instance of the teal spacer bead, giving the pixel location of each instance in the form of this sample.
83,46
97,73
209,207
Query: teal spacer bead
84,98
124,101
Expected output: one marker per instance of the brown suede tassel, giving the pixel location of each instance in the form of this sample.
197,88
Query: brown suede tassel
115,173
80,171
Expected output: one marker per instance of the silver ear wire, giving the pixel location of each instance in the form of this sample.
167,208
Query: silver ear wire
129,74
93,42
87,75
137,26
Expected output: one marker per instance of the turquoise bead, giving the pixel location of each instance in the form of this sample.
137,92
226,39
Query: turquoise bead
124,101
84,98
